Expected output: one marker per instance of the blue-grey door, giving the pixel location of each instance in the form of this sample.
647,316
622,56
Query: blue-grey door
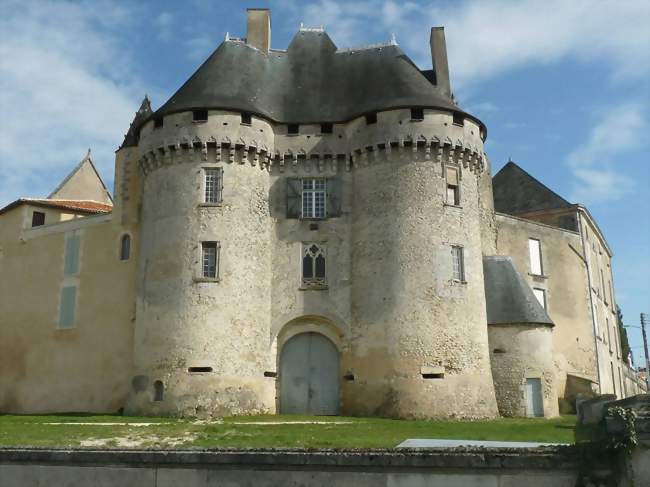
534,402
309,376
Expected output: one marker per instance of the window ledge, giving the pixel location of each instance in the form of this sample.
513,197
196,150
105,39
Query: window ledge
246,124
538,276
209,205
206,279
417,120
453,206
313,287
199,121
458,124
458,282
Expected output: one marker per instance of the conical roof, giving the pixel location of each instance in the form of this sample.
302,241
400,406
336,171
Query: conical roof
143,113
311,82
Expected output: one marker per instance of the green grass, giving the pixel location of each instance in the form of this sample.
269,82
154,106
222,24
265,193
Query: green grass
243,432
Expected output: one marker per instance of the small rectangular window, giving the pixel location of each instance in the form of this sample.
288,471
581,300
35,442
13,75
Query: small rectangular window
326,128
371,118
71,256
246,118
158,122
417,114
540,294
200,115
459,119
213,185
453,191
210,260
313,264
38,219
293,129
535,253
314,198
458,264
67,307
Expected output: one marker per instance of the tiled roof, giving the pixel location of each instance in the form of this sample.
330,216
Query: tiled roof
74,206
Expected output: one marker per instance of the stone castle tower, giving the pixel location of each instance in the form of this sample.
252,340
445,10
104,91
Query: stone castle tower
311,224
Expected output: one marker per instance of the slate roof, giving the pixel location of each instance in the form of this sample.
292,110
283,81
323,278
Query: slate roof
508,297
143,113
75,206
517,192
311,82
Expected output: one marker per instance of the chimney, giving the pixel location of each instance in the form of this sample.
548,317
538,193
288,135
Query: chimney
439,60
258,28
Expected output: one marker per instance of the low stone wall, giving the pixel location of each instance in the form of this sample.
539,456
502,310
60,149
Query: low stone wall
467,467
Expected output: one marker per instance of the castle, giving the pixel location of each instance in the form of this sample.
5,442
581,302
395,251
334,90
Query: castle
310,230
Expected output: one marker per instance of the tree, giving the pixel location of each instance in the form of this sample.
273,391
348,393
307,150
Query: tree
625,345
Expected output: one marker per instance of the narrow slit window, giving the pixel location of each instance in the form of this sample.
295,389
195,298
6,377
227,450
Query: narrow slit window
453,190
540,294
535,253
326,128
210,259
213,185
125,247
313,265
417,114
200,115
293,129
314,198
199,369
371,118
458,264
38,219
439,375
246,118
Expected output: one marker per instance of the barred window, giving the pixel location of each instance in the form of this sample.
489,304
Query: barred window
314,193
210,259
313,265
458,265
213,185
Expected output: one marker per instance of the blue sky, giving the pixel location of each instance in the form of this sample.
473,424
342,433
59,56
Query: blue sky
562,86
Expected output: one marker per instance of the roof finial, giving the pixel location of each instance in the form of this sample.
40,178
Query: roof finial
88,154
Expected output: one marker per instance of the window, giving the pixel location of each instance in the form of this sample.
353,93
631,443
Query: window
609,335
611,293
293,129
534,249
67,306
194,370
199,115
38,219
313,198
125,247
213,185
458,264
158,122
210,260
71,258
326,128
453,193
459,119
602,286
313,265
158,391
417,114
246,118
371,118
540,294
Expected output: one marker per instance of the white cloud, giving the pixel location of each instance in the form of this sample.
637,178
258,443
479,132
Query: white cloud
165,23
65,85
599,163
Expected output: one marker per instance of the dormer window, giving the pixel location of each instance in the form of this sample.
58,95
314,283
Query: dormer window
158,122
417,114
326,128
371,118
293,129
199,115
246,118
459,119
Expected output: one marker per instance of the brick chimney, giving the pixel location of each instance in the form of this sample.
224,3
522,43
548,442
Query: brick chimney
439,60
258,28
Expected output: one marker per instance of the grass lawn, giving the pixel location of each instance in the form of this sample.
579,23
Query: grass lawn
110,431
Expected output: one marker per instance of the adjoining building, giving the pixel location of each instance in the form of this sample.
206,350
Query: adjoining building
309,230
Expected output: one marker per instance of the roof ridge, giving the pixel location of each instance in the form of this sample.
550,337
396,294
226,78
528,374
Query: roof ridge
517,166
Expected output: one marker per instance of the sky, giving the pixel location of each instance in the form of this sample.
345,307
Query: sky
561,85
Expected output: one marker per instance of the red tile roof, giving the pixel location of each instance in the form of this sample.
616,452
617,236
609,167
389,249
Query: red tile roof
74,206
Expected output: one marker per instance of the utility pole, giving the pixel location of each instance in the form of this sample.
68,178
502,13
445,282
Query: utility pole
645,349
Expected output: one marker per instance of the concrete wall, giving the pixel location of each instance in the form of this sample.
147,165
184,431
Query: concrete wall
517,353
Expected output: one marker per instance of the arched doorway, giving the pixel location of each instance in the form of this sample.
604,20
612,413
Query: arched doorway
309,375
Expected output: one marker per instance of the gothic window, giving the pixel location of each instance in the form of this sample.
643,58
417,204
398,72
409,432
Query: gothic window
458,263
213,185
313,265
313,198
38,219
453,190
125,247
210,259
535,254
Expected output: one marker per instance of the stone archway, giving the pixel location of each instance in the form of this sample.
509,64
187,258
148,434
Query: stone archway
309,375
